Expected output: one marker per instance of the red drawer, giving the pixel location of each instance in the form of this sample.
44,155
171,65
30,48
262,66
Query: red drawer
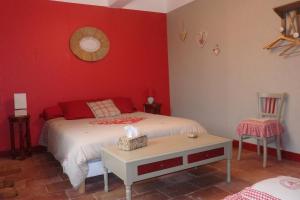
160,165
205,155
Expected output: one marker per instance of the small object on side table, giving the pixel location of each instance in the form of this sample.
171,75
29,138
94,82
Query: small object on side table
153,108
20,120
192,135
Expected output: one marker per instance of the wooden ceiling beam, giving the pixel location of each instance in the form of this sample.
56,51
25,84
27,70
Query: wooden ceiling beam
118,3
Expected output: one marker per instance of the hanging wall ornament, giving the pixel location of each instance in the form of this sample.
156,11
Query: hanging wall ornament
201,38
183,33
216,50
89,44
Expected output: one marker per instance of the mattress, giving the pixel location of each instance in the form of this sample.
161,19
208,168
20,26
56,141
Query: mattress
75,142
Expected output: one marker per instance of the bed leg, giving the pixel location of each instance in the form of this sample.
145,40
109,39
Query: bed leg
81,189
105,179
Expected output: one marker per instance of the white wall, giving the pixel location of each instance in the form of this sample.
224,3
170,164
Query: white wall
219,91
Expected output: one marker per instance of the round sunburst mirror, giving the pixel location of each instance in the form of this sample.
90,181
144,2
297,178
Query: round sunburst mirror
89,44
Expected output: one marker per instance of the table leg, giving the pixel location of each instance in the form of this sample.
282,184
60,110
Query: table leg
128,191
21,141
12,140
28,138
228,170
105,179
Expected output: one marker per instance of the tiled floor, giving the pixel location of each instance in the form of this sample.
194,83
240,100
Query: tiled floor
40,178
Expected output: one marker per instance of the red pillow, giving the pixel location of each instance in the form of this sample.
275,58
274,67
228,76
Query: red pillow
76,109
52,112
125,105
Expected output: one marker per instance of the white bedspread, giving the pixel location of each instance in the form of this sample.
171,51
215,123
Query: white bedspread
75,142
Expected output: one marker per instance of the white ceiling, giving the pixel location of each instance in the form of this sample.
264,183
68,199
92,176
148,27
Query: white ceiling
162,6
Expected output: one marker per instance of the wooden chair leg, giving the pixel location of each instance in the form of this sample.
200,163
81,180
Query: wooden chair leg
258,146
265,153
278,147
240,147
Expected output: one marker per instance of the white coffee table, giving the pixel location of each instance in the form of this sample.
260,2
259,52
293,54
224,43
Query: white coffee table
164,155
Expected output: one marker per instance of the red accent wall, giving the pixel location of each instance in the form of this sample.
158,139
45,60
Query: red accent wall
36,59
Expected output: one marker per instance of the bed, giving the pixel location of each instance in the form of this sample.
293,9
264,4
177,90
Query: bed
278,188
76,144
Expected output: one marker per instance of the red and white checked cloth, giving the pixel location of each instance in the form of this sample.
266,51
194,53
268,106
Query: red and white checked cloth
250,194
124,120
260,127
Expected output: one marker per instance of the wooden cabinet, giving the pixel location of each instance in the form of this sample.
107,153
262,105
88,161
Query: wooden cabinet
25,146
153,108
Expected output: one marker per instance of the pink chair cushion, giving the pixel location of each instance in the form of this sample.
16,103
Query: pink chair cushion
260,127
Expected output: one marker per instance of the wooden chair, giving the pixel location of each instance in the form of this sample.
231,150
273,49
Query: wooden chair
267,125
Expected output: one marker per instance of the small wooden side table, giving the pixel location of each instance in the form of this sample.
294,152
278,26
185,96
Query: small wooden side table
153,108
20,120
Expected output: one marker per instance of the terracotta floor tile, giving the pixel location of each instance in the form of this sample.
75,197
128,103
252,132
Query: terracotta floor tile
182,197
207,181
21,184
179,177
177,189
26,192
236,185
249,176
45,196
203,170
89,189
212,193
40,177
114,194
8,192
154,195
39,193
9,171
58,186
49,172
84,197
148,185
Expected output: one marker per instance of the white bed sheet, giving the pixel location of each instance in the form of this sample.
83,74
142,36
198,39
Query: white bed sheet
75,142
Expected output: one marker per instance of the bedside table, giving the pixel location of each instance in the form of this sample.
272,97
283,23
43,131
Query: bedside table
152,108
20,121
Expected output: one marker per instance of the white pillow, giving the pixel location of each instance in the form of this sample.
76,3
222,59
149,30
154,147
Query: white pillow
105,108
